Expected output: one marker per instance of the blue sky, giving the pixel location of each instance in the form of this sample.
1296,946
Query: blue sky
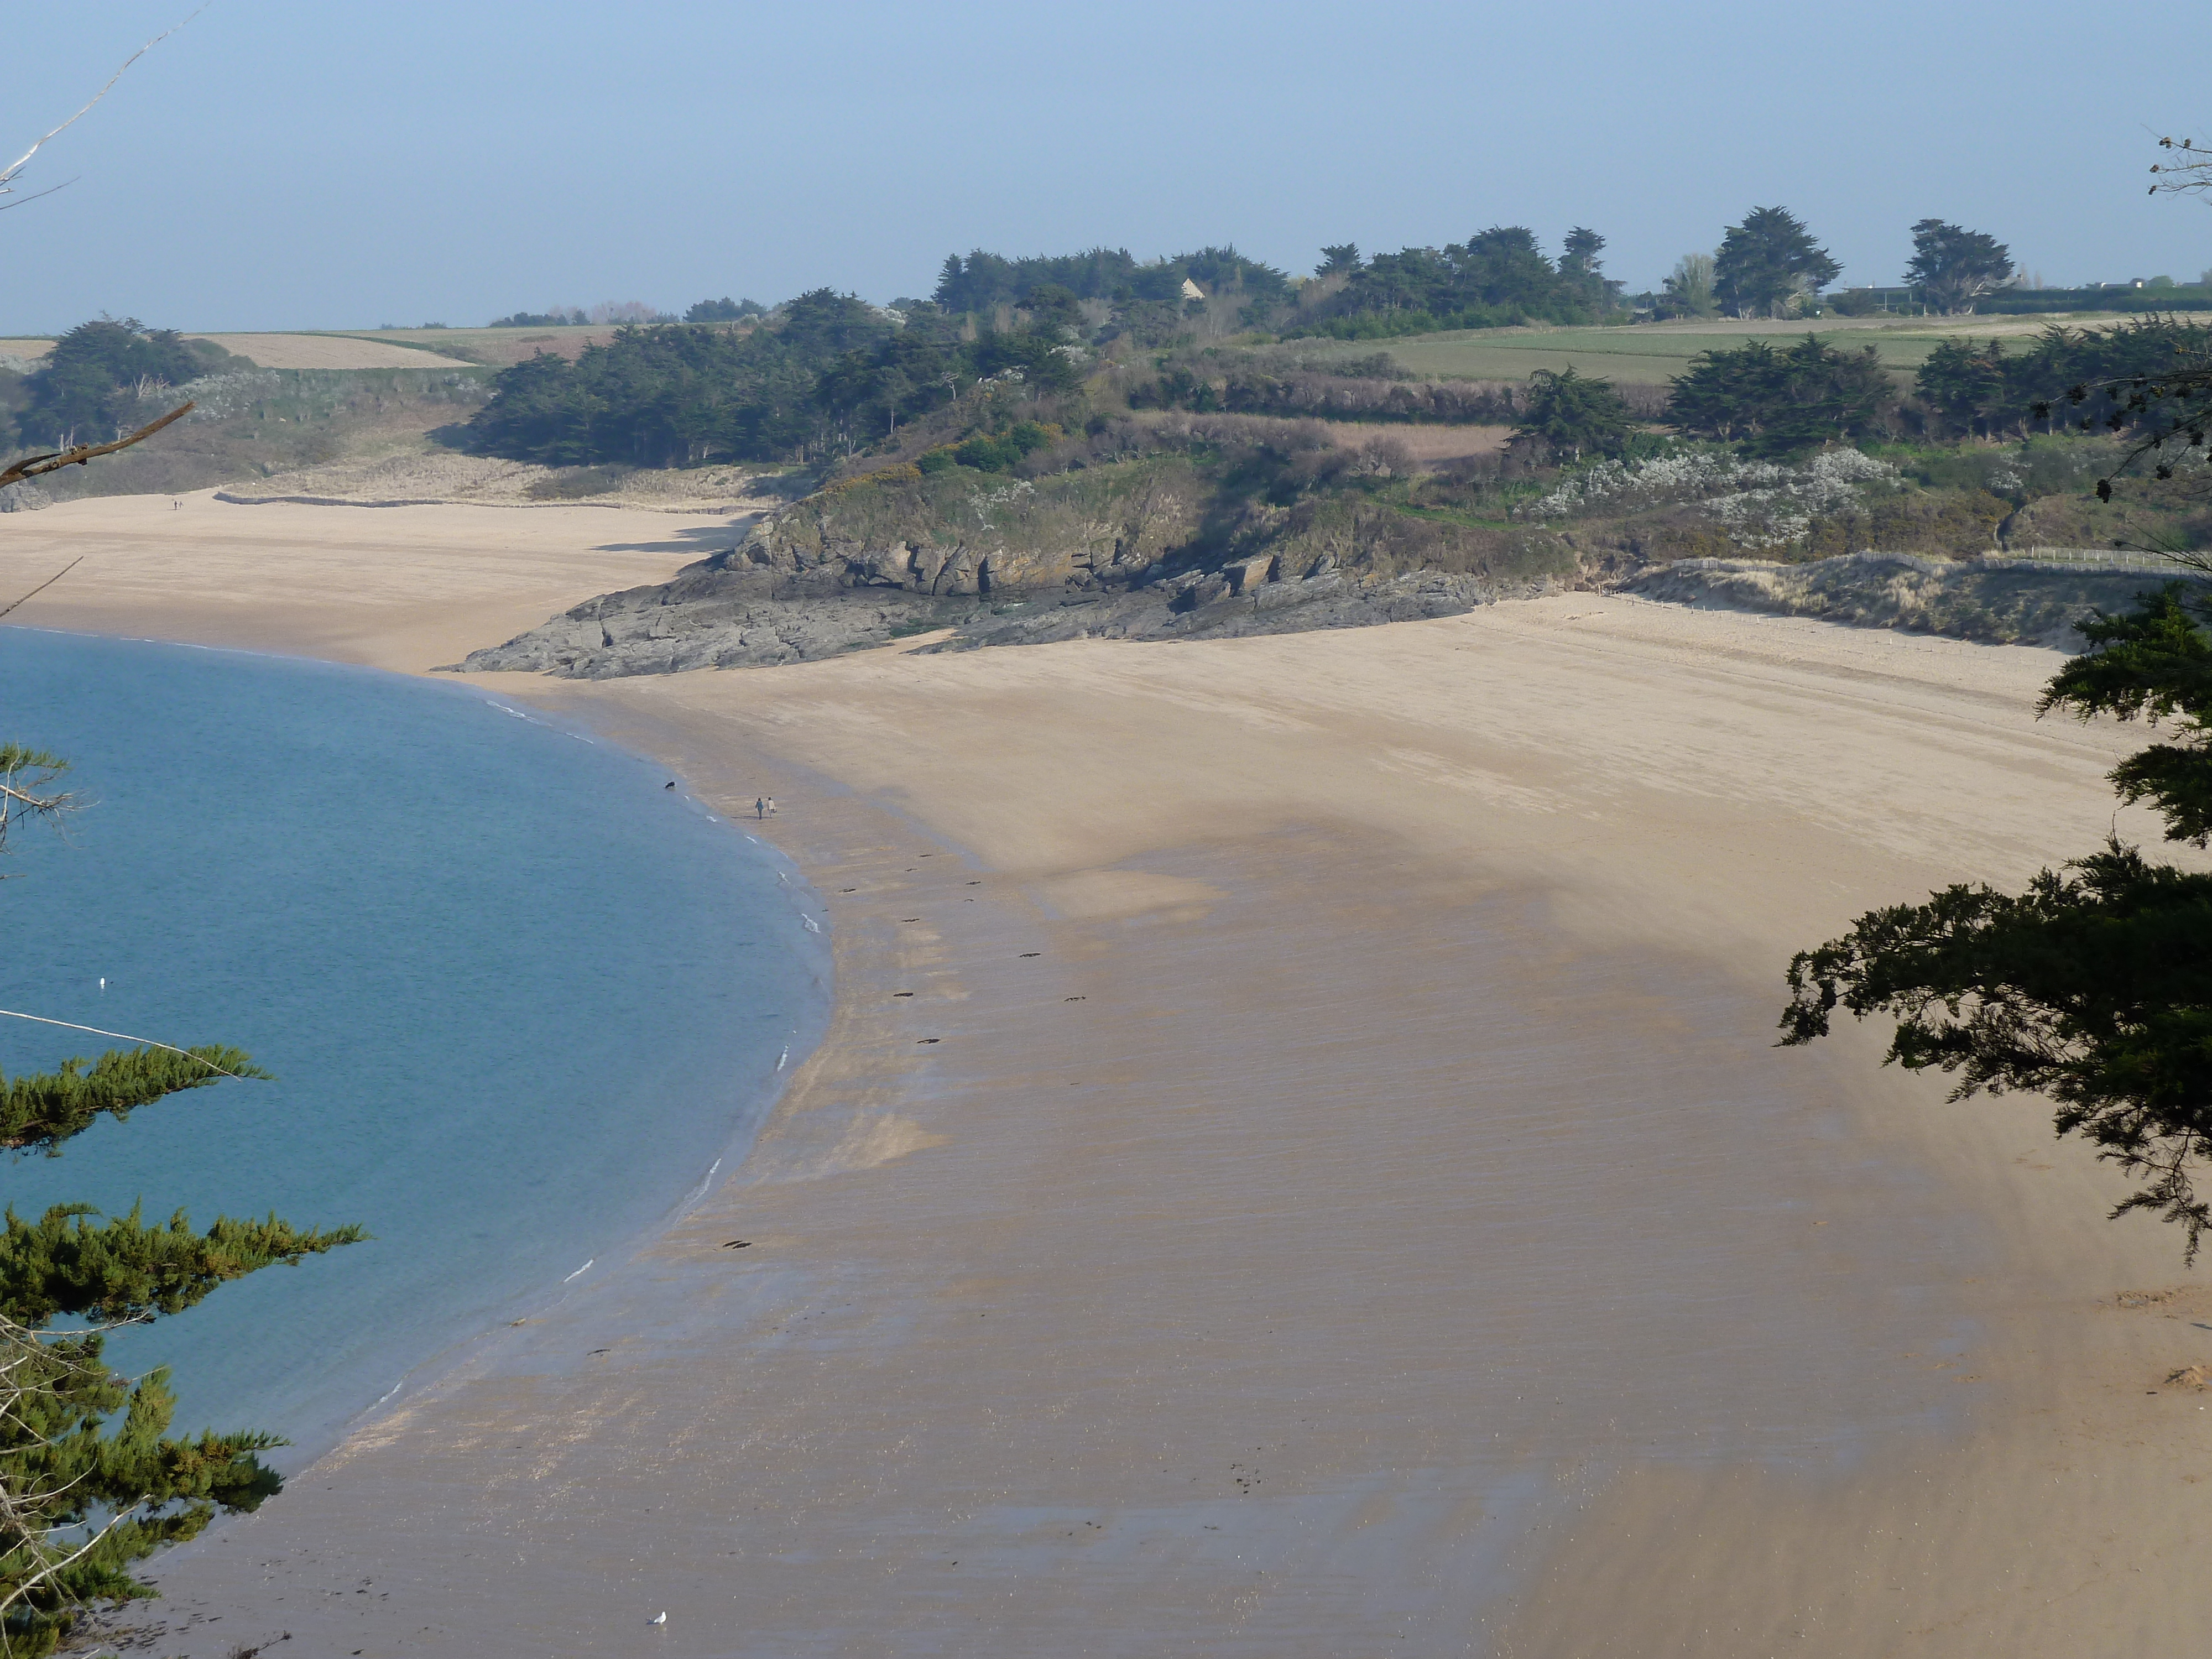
288,166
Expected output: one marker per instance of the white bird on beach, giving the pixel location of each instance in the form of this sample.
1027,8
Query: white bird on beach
657,1619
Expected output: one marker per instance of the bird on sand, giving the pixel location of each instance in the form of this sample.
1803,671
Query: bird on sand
657,1619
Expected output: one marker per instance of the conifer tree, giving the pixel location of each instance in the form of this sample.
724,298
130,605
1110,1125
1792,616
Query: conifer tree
86,1493
91,1482
1768,260
2093,986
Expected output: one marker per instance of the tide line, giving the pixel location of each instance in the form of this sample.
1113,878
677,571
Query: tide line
705,1181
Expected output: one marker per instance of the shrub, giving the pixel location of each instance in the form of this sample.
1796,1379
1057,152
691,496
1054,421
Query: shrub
1780,403
1573,416
986,452
985,455
1985,388
895,474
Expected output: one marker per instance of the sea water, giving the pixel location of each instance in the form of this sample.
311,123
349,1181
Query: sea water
518,997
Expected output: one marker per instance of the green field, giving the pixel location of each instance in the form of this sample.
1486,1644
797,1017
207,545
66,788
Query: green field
1651,353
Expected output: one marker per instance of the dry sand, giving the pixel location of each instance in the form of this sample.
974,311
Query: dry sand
1329,1192
399,587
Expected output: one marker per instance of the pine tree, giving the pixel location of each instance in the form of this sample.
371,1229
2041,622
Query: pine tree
1767,261
1573,416
2093,986
1953,267
86,1493
90,1481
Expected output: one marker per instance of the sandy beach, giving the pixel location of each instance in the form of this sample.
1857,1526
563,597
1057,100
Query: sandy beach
405,588
1297,1167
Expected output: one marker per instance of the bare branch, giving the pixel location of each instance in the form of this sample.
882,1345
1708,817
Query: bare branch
42,586
2192,170
21,200
27,797
8,175
33,466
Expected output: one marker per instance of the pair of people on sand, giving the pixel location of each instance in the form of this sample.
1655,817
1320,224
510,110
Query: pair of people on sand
763,806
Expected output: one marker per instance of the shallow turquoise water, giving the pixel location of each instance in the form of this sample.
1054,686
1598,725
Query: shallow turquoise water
519,997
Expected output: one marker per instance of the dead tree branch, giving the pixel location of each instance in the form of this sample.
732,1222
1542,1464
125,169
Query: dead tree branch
44,586
2189,174
8,174
32,466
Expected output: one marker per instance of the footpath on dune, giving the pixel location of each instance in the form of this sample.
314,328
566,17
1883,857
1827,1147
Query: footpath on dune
1297,1168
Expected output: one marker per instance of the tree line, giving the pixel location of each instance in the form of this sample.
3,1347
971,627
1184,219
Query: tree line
1769,265
1497,276
826,371
832,373
1988,388
90,386
724,310
984,280
1773,402
836,374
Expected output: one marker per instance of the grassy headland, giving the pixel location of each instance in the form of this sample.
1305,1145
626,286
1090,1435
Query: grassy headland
1053,429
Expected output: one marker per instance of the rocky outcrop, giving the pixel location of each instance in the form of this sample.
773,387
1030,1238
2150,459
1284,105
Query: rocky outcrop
1114,553
1998,601
720,615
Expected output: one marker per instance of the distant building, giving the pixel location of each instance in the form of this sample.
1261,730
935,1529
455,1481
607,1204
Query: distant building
1191,291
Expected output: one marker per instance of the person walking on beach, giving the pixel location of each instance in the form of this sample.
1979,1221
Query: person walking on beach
771,807
760,807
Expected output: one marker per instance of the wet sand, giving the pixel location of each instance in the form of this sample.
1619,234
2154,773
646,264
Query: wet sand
1329,1191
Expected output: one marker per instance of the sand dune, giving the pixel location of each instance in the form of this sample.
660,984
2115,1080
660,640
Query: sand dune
1328,1190
445,477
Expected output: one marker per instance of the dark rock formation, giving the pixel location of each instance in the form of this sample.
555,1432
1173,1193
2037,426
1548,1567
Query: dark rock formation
735,611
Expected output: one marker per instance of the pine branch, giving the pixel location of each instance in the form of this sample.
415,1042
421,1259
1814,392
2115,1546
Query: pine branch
68,1463
64,1264
21,797
39,1112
